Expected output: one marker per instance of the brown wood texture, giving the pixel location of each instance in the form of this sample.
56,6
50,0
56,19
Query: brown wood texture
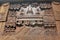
56,9
2,25
3,11
32,33
28,33
58,29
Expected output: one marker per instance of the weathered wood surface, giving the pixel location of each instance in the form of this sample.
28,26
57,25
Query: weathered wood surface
31,33
58,29
2,24
3,11
28,33
56,9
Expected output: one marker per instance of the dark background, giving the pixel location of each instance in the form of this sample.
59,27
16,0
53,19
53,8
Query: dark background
19,1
